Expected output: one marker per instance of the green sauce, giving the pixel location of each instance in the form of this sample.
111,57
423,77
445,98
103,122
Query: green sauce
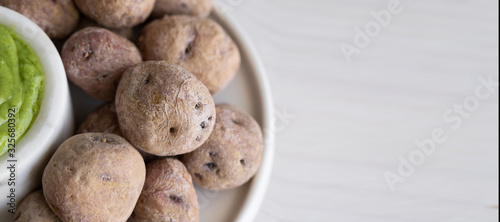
21,87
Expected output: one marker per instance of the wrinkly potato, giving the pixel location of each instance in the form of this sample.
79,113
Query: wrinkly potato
200,8
116,13
104,120
231,155
56,17
35,208
94,177
163,109
168,194
128,32
199,45
95,59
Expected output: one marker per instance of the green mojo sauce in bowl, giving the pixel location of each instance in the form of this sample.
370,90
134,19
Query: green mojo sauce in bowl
21,88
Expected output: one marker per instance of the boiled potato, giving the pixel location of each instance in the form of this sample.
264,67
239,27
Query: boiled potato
56,17
199,45
232,154
94,177
200,8
168,194
34,208
116,13
163,109
95,59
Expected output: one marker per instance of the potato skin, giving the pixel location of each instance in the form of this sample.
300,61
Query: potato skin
163,109
101,120
95,59
200,8
56,17
168,194
199,45
104,120
131,33
116,13
231,155
94,177
35,208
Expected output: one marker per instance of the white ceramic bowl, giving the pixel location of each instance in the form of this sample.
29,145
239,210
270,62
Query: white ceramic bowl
249,91
53,124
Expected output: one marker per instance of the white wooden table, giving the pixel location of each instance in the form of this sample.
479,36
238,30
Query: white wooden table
347,134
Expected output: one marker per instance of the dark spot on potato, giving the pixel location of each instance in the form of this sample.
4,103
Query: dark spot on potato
203,125
198,105
184,5
212,154
242,162
210,118
211,166
188,49
172,130
197,175
189,45
102,77
198,138
237,122
175,199
148,78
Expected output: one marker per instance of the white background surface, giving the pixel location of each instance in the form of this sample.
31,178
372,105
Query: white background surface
349,122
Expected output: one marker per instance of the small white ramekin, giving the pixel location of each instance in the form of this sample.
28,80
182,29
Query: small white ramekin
53,124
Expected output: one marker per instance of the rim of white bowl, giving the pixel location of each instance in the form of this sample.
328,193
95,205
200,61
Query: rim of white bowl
50,117
260,182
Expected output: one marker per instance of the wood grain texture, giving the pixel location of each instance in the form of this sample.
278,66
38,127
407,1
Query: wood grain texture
353,120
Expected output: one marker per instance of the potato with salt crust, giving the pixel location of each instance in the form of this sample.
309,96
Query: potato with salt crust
95,59
131,33
231,155
116,13
168,194
104,120
163,109
56,17
35,208
200,8
199,45
94,177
